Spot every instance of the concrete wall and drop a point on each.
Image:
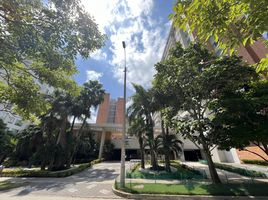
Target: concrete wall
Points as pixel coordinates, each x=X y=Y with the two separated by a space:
x=245 y=155
x=119 y=114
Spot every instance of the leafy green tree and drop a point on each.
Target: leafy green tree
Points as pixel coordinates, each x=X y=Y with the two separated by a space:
x=231 y=23
x=6 y=142
x=137 y=127
x=39 y=43
x=142 y=107
x=196 y=79
x=29 y=141
x=241 y=118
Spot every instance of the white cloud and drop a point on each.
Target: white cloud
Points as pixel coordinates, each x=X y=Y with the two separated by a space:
x=99 y=55
x=93 y=75
x=130 y=21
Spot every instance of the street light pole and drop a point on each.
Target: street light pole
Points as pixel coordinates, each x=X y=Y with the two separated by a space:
x=123 y=148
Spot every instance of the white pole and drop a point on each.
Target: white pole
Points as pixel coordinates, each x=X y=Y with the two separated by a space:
x=123 y=149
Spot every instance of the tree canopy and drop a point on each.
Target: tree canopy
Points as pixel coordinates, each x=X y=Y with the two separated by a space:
x=230 y=23
x=39 y=43
x=196 y=79
x=241 y=118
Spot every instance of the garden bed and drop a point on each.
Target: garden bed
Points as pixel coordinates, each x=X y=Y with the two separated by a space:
x=191 y=188
x=19 y=172
x=181 y=172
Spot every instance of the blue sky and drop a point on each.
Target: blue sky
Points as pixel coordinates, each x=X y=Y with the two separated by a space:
x=143 y=25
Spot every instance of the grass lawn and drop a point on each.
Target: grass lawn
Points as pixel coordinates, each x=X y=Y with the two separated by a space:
x=6 y=185
x=198 y=189
x=182 y=173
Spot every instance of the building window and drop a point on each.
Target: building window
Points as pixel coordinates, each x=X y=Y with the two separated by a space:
x=111 y=112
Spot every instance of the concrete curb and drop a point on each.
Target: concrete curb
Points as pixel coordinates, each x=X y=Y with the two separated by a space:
x=127 y=195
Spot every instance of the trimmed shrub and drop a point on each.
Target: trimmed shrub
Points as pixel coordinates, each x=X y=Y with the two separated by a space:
x=256 y=162
x=241 y=171
x=43 y=173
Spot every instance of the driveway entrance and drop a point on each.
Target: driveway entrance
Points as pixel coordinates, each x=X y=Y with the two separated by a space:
x=95 y=182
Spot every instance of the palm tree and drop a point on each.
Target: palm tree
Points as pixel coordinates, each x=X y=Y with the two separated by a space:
x=167 y=144
x=142 y=107
x=138 y=128
x=91 y=95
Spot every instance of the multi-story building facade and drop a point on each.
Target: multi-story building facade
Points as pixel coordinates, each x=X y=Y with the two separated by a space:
x=108 y=127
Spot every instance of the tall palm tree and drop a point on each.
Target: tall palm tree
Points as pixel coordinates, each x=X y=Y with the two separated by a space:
x=142 y=107
x=138 y=128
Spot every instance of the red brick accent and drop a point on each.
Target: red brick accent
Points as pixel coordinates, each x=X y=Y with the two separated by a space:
x=103 y=110
x=259 y=49
x=245 y=155
x=119 y=115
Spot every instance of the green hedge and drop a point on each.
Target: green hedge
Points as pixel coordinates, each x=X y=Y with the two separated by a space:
x=241 y=171
x=256 y=162
x=43 y=173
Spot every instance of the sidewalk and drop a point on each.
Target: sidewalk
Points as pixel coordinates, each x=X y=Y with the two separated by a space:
x=224 y=175
x=258 y=168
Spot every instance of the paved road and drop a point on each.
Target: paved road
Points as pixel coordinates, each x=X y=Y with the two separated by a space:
x=93 y=183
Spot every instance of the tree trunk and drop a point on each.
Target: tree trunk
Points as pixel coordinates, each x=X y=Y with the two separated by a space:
x=72 y=127
x=153 y=159
x=166 y=154
x=212 y=169
x=82 y=127
x=167 y=162
x=70 y=160
x=43 y=165
x=142 y=152
x=62 y=136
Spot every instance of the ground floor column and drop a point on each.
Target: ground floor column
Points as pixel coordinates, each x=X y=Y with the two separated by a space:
x=101 y=144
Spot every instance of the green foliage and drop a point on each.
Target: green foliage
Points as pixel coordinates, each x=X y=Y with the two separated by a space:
x=230 y=23
x=43 y=173
x=241 y=117
x=142 y=108
x=256 y=162
x=6 y=142
x=108 y=149
x=197 y=79
x=196 y=188
x=29 y=142
x=40 y=46
x=241 y=171
x=169 y=144
x=53 y=143
x=183 y=173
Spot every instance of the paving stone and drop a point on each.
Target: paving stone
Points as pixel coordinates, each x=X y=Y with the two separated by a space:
x=91 y=186
x=105 y=191
x=72 y=190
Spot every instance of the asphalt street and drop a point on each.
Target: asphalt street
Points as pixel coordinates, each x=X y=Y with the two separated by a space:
x=93 y=183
